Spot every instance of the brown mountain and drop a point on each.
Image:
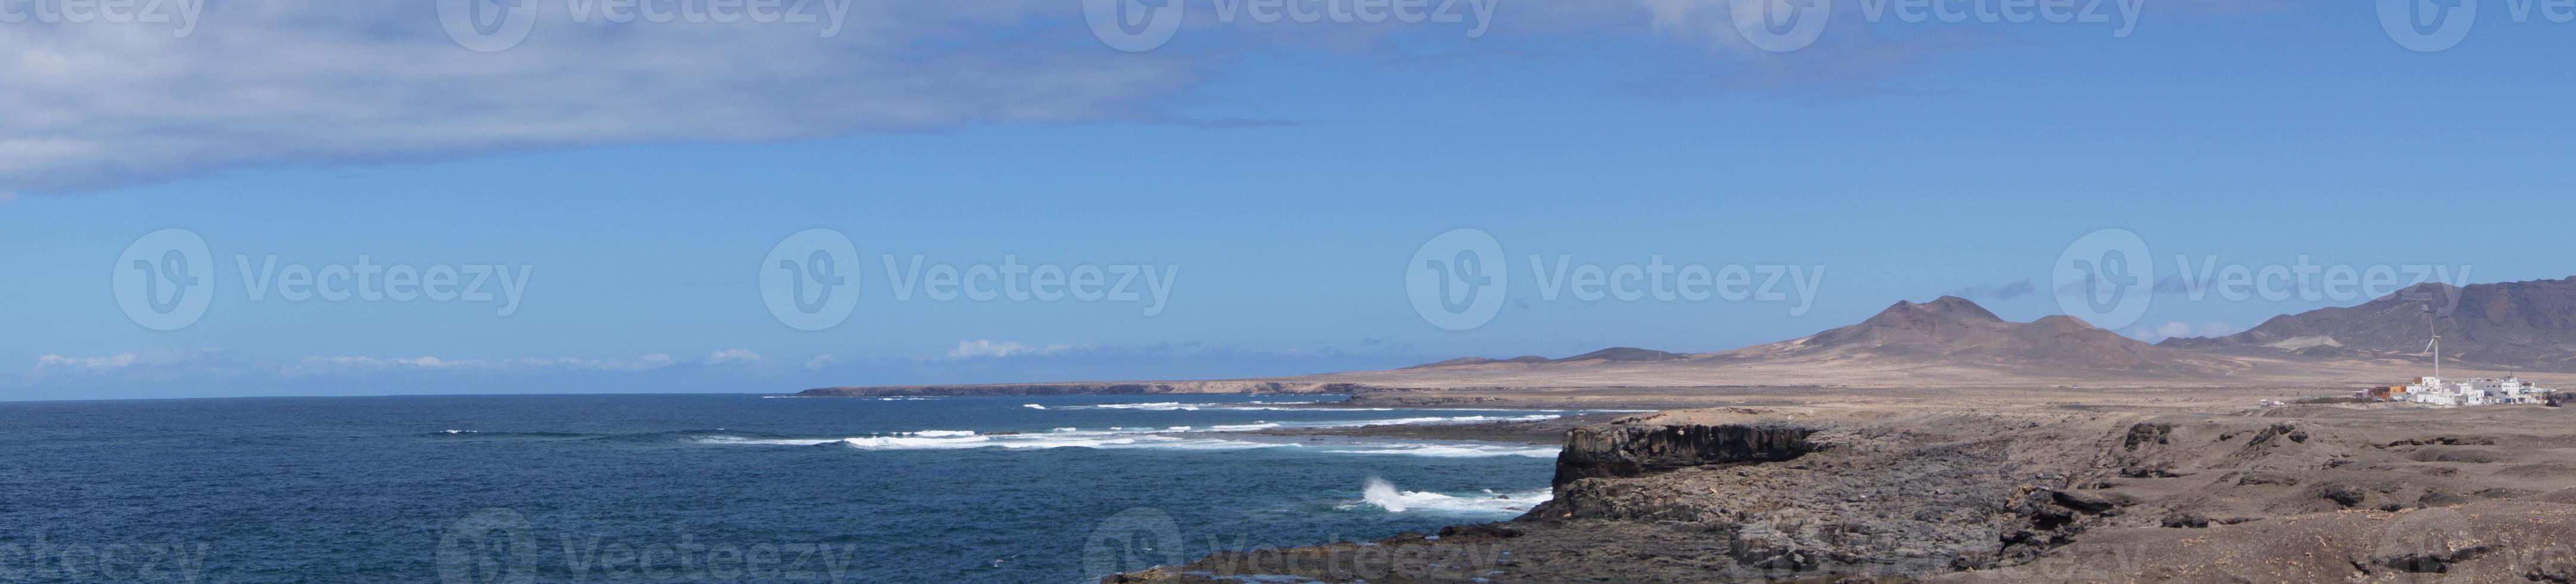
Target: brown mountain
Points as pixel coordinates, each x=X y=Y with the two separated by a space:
x=1955 y=331
x=2521 y=325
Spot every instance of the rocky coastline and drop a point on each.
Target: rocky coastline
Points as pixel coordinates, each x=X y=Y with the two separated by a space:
x=2299 y=493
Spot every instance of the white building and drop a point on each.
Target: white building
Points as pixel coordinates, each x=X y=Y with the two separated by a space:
x=2483 y=391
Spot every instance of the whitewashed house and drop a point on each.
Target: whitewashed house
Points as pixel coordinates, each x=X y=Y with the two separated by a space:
x=2482 y=391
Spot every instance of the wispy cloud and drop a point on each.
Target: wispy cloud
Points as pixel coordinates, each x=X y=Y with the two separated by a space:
x=155 y=364
x=2174 y=329
x=93 y=106
x=1999 y=292
x=98 y=105
x=987 y=349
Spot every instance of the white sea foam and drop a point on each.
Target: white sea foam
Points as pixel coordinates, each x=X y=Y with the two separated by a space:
x=943 y=433
x=1155 y=406
x=1433 y=420
x=914 y=443
x=1058 y=440
x=1384 y=495
x=1454 y=450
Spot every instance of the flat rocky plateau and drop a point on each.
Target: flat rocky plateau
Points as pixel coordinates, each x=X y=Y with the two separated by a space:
x=2002 y=485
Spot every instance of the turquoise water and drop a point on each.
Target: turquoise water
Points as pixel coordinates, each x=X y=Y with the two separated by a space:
x=711 y=487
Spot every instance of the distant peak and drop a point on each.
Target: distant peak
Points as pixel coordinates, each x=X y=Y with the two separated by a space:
x=1624 y=354
x=1947 y=305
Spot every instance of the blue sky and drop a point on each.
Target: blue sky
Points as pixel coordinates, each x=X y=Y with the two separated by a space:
x=641 y=173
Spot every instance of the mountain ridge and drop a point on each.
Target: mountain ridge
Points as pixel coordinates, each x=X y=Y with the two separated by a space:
x=2523 y=325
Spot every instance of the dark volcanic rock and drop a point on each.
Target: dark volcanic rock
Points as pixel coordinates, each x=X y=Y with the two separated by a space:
x=1626 y=450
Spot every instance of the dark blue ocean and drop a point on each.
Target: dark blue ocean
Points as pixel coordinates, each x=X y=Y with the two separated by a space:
x=689 y=488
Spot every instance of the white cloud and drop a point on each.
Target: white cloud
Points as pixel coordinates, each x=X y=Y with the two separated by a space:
x=59 y=364
x=819 y=362
x=328 y=366
x=985 y=349
x=253 y=84
x=166 y=363
x=102 y=105
x=2182 y=329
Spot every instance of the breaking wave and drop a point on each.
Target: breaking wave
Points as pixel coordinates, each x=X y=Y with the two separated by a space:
x=1385 y=496
x=1458 y=450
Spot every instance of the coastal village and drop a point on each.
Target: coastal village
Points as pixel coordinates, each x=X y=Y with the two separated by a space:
x=2434 y=390
x=2477 y=391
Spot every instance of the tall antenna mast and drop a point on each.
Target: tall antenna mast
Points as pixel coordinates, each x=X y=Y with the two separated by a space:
x=2433 y=324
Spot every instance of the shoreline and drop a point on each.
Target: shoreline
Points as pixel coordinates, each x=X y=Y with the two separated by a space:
x=1549 y=432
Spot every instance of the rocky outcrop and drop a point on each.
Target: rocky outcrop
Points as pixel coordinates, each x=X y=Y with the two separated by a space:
x=1105 y=388
x=1630 y=450
x=2296 y=494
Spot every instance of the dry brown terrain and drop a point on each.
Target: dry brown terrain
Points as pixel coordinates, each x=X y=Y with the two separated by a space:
x=2013 y=485
x=1937 y=442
